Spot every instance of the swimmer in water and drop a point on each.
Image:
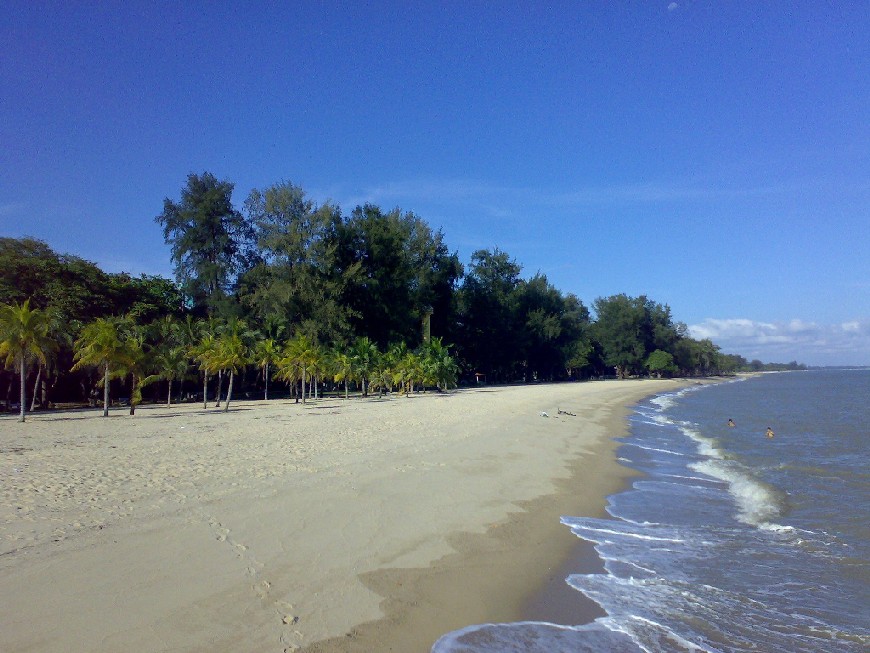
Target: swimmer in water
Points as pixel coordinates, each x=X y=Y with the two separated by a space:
x=730 y=422
x=769 y=432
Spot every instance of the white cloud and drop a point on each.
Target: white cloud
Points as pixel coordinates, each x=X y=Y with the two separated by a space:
x=672 y=6
x=807 y=342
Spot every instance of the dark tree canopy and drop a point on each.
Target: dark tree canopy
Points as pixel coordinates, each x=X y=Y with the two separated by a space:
x=210 y=240
x=369 y=283
x=405 y=271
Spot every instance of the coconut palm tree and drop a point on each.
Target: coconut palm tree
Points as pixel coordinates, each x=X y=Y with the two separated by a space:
x=299 y=356
x=169 y=355
x=204 y=353
x=394 y=364
x=232 y=353
x=59 y=334
x=365 y=356
x=438 y=365
x=319 y=367
x=266 y=353
x=341 y=365
x=100 y=345
x=412 y=367
x=24 y=336
x=135 y=359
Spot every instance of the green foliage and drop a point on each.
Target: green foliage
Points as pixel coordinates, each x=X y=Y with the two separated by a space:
x=360 y=284
x=101 y=345
x=210 y=240
x=24 y=337
x=661 y=363
x=402 y=270
x=629 y=329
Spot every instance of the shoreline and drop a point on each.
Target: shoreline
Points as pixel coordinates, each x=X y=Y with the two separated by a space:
x=280 y=527
x=423 y=604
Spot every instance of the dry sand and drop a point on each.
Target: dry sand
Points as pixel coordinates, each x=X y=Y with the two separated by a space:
x=340 y=525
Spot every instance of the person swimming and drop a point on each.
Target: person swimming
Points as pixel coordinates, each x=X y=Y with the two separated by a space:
x=769 y=432
x=730 y=422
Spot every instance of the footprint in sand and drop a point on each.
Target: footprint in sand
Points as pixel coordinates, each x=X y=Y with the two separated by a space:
x=263 y=588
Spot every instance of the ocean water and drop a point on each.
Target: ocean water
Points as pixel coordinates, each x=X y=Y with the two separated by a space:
x=730 y=541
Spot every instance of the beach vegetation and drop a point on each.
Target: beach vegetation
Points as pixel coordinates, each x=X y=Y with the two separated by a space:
x=660 y=363
x=266 y=354
x=356 y=301
x=298 y=361
x=101 y=345
x=24 y=337
x=231 y=353
x=210 y=240
x=365 y=358
x=169 y=355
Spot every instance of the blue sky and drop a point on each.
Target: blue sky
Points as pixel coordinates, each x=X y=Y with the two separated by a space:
x=713 y=156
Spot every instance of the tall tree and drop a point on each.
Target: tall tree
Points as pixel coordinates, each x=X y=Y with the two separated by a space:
x=210 y=239
x=24 y=336
x=631 y=328
x=405 y=272
x=297 y=277
x=489 y=330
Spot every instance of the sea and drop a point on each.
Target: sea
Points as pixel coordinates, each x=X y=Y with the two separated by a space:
x=729 y=540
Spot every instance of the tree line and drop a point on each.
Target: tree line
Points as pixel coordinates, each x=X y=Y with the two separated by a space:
x=284 y=273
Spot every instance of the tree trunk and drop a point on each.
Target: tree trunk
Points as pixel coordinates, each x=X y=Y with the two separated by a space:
x=220 y=380
x=229 y=392
x=303 y=384
x=204 y=391
x=36 y=388
x=22 y=399
x=169 y=393
x=266 y=393
x=106 y=392
x=133 y=394
x=345 y=388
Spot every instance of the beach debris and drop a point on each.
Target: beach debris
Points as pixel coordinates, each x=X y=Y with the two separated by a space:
x=543 y=414
x=290 y=619
x=565 y=412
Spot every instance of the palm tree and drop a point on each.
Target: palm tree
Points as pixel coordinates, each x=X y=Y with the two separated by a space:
x=412 y=366
x=265 y=354
x=232 y=353
x=59 y=335
x=438 y=365
x=204 y=353
x=169 y=355
x=394 y=363
x=135 y=359
x=365 y=356
x=299 y=356
x=100 y=345
x=24 y=335
x=342 y=367
x=319 y=365
x=170 y=362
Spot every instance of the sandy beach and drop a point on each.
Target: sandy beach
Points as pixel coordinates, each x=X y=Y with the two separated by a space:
x=339 y=525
